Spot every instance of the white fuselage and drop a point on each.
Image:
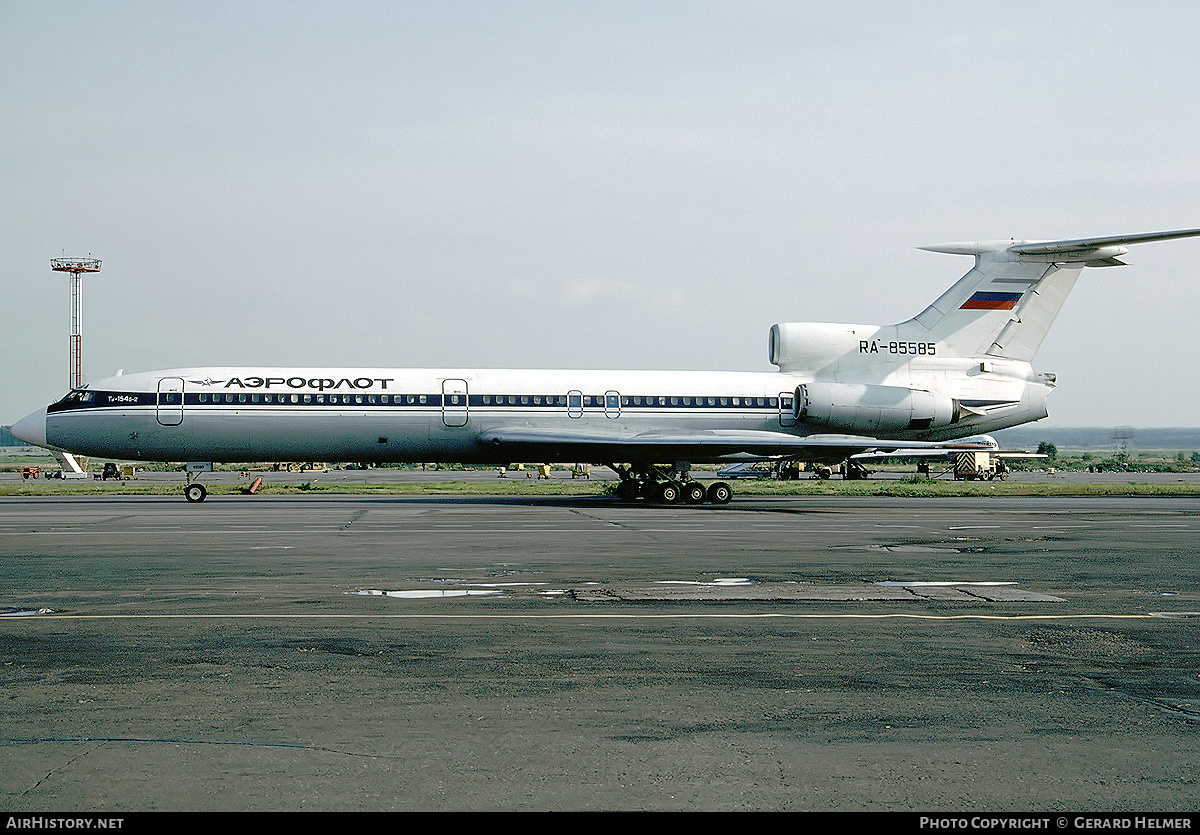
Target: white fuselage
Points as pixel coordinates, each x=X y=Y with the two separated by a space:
x=398 y=415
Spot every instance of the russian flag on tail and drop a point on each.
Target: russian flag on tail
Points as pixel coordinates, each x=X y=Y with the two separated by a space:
x=991 y=301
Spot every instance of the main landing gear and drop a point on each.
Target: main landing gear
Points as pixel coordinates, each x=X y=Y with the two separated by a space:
x=668 y=487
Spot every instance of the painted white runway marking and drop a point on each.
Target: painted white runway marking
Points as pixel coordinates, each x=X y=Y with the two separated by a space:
x=905 y=583
x=417 y=594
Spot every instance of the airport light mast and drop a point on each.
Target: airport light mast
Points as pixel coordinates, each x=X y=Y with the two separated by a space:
x=76 y=267
x=73 y=467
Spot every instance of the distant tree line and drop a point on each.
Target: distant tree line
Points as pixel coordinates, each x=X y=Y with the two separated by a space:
x=1176 y=438
x=1183 y=461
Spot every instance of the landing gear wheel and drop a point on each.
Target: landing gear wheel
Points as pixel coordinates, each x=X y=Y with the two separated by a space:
x=720 y=493
x=195 y=492
x=668 y=492
x=693 y=492
x=628 y=490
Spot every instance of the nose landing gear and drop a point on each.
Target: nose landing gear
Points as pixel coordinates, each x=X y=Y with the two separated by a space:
x=194 y=491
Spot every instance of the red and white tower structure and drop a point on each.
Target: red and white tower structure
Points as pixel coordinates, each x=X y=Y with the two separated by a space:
x=76 y=267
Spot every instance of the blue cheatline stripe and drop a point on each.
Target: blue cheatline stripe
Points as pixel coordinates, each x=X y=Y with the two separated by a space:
x=116 y=399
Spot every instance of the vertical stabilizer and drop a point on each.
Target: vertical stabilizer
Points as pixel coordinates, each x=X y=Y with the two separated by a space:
x=1002 y=308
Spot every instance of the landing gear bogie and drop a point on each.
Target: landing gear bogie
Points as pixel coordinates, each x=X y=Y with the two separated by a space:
x=661 y=488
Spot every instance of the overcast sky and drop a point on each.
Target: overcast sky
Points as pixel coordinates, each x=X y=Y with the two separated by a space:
x=586 y=184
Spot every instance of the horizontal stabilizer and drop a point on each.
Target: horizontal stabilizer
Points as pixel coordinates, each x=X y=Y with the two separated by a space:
x=1083 y=245
x=1091 y=251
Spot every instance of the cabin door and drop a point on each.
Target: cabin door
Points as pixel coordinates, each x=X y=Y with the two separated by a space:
x=454 y=402
x=170 y=401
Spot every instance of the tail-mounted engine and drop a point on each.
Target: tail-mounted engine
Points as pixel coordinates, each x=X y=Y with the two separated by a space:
x=816 y=347
x=858 y=408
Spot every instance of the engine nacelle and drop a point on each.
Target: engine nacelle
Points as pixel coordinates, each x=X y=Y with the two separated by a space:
x=857 y=408
x=815 y=347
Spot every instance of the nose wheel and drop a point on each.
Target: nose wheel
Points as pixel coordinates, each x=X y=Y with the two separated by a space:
x=195 y=492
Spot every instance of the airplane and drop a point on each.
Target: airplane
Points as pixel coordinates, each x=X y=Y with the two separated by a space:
x=961 y=367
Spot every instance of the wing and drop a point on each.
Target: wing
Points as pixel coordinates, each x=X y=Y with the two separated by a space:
x=943 y=452
x=528 y=443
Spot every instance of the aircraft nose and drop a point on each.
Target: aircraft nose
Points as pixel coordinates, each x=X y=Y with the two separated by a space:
x=31 y=429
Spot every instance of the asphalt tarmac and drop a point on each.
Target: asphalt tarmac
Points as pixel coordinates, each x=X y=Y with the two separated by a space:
x=418 y=653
